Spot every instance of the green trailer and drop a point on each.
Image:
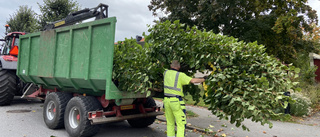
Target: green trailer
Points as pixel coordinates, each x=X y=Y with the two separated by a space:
x=72 y=68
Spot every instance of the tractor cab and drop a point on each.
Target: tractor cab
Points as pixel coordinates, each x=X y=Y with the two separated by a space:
x=9 y=50
x=11 y=44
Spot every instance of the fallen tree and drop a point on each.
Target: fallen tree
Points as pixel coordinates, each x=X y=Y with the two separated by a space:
x=244 y=83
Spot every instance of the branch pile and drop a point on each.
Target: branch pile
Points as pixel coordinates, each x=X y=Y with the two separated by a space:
x=244 y=83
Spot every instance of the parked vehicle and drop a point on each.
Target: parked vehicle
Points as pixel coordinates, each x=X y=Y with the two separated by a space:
x=72 y=67
x=10 y=85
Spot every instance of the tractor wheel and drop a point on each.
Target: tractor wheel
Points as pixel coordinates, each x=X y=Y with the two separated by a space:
x=144 y=122
x=76 y=119
x=8 y=86
x=54 y=108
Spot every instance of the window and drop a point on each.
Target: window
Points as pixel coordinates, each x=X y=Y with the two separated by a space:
x=6 y=49
x=16 y=42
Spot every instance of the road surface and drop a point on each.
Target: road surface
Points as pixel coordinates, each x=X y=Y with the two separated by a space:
x=24 y=119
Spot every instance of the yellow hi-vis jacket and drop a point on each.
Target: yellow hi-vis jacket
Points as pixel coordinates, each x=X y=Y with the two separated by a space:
x=173 y=82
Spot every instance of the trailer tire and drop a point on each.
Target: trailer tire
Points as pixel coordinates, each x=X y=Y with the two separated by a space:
x=54 y=108
x=8 y=86
x=144 y=122
x=76 y=120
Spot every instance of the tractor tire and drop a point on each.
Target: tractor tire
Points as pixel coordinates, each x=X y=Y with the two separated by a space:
x=54 y=108
x=76 y=119
x=8 y=86
x=144 y=122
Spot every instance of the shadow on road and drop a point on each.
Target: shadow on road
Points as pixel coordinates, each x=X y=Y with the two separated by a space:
x=123 y=129
x=22 y=101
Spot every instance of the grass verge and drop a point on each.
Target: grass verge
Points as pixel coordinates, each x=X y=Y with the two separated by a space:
x=191 y=114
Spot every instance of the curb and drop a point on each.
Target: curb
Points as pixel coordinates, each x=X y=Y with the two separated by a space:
x=187 y=127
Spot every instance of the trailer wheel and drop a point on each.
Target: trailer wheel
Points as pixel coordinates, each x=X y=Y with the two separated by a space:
x=76 y=121
x=54 y=108
x=8 y=86
x=144 y=122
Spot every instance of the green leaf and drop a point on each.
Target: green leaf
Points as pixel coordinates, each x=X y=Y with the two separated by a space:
x=296 y=70
x=279 y=97
x=146 y=79
x=298 y=89
x=285 y=104
x=251 y=107
x=270 y=125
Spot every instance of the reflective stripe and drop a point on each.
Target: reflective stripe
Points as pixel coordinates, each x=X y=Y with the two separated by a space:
x=170 y=95
x=173 y=88
x=175 y=82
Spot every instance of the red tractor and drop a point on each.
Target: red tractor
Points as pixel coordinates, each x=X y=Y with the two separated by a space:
x=10 y=85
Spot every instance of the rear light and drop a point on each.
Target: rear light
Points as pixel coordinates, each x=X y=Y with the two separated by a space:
x=14 y=51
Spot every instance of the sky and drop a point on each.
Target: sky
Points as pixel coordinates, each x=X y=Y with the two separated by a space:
x=133 y=16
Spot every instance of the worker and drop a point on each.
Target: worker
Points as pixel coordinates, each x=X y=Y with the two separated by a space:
x=175 y=109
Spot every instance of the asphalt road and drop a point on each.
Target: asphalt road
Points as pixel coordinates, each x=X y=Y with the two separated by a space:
x=24 y=119
x=280 y=129
x=209 y=122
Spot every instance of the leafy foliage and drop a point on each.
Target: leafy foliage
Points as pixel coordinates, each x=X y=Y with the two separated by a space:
x=302 y=106
x=131 y=66
x=313 y=37
x=315 y=34
x=244 y=82
x=279 y=25
x=308 y=72
x=54 y=10
x=312 y=92
x=23 y=20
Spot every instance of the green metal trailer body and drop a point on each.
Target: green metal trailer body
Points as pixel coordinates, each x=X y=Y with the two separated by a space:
x=77 y=58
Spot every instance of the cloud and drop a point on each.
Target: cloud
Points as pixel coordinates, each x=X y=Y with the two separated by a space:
x=315 y=4
x=10 y=7
x=132 y=15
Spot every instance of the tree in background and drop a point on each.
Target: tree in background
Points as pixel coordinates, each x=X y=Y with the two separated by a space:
x=54 y=10
x=23 y=20
x=279 y=25
x=307 y=71
x=314 y=35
